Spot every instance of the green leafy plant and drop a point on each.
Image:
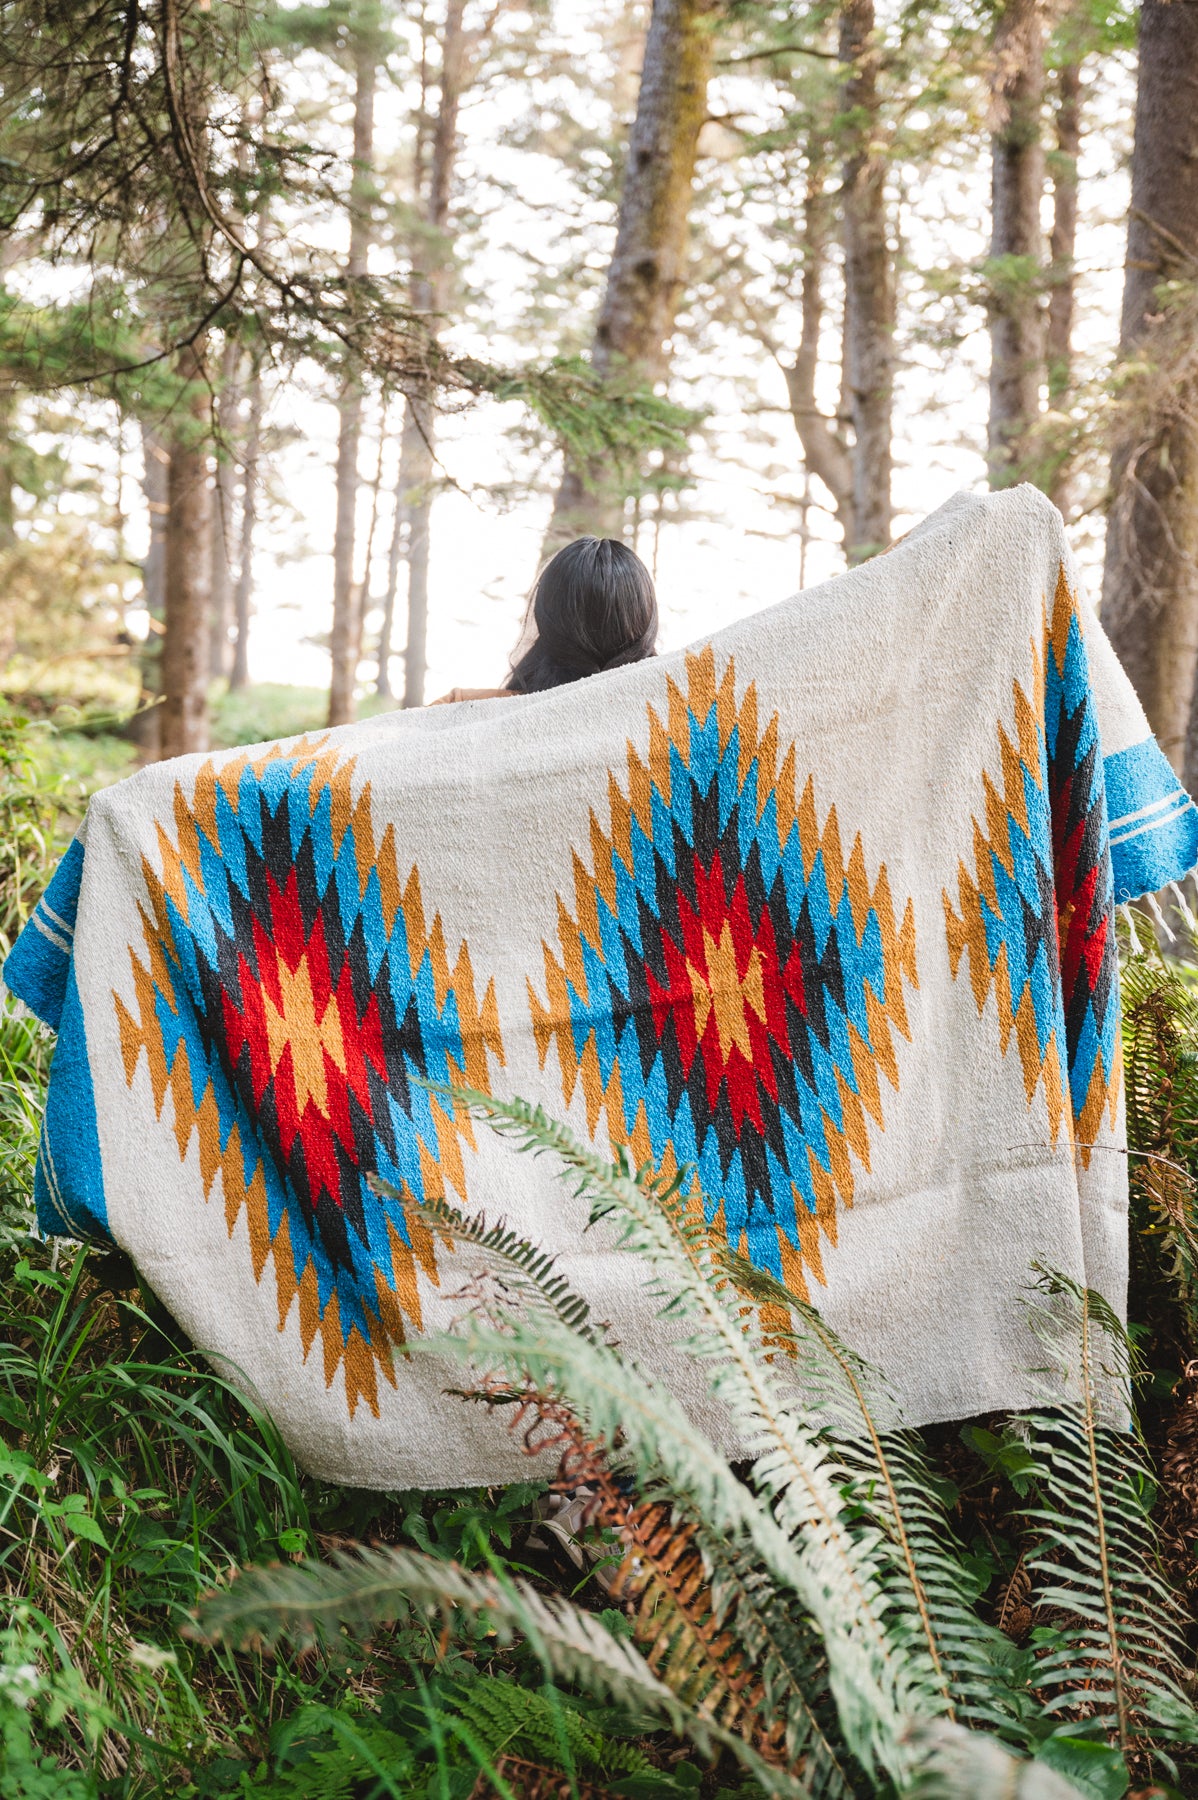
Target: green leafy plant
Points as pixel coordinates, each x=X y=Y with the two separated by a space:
x=1160 y=1043
x=816 y=1623
x=28 y=825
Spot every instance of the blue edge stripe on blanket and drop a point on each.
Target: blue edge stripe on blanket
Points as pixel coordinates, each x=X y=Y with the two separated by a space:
x=1153 y=838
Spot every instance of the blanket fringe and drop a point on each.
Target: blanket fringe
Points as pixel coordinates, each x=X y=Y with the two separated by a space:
x=1159 y=923
x=1129 y=919
x=1154 y=907
x=1177 y=889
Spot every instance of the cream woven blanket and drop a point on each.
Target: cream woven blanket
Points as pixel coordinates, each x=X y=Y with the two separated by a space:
x=824 y=907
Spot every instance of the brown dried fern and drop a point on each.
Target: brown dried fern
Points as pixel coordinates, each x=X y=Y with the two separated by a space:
x=662 y=1581
x=533 y=1781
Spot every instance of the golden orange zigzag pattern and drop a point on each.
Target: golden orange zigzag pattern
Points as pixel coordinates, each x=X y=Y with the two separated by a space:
x=397 y=1295
x=966 y=930
x=552 y=1022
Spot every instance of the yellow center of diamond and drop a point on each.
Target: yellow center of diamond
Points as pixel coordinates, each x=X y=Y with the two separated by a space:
x=311 y=1031
x=721 y=988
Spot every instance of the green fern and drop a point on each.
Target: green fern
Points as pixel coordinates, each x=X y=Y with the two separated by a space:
x=893 y=1488
x=830 y=1577
x=877 y=1680
x=308 y=1601
x=1160 y=1050
x=506 y=1719
x=744 y=1597
x=717 y=1630
x=1122 y=1656
x=529 y=1271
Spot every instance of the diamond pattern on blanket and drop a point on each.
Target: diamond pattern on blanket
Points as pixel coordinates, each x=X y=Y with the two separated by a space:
x=1036 y=916
x=287 y=991
x=727 y=986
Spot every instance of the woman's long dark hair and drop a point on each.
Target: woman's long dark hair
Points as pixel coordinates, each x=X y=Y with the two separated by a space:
x=593 y=608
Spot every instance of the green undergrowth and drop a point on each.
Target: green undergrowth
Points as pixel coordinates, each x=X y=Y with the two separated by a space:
x=133 y=1481
x=255 y=715
x=56 y=750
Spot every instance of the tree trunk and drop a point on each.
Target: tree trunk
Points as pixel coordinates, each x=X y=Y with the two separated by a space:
x=1016 y=250
x=869 y=283
x=8 y=486
x=644 y=281
x=416 y=462
x=1061 y=250
x=382 y=685
x=826 y=453
x=184 y=707
x=346 y=633
x=1150 y=580
x=225 y=408
x=363 y=591
x=243 y=593
x=155 y=486
x=429 y=293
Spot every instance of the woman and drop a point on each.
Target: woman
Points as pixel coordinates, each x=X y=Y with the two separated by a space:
x=593 y=608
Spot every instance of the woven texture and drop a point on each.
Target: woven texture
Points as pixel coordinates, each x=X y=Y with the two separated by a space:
x=822 y=909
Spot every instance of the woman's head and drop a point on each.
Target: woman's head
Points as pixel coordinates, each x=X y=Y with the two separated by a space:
x=593 y=608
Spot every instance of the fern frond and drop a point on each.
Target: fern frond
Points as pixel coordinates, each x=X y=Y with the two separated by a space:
x=955 y=1764
x=719 y=1633
x=1123 y=1656
x=707 y=1616
x=878 y=1676
x=892 y=1486
x=526 y=1269
x=1160 y=1032
x=305 y=1601
x=510 y=1720
x=710 y=1624
x=616 y=1402
x=530 y=1275
x=787 y=1653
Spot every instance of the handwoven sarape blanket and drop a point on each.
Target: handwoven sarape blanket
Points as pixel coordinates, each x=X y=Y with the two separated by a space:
x=824 y=907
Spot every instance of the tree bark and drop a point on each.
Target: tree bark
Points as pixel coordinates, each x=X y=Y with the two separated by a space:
x=220 y=606
x=1062 y=246
x=1016 y=249
x=416 y=464
x=429 y=293
x=8 y=486
x=184 y=709
x=826 y=453
x=243 y=593
x=345 y=638
x=645 y=278
x=146 y=725
x=1150 y=579
x=869 y=311
x=382 y=684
